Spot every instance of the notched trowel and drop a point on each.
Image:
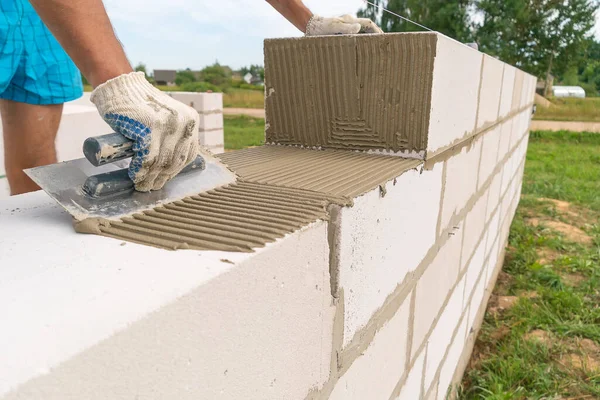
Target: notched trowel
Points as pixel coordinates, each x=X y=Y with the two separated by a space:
x=98 y=185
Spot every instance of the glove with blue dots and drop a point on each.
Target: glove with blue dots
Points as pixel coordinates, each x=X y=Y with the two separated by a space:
x=164 y=130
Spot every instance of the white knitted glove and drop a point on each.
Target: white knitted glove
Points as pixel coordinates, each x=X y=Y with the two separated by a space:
x=164 y=130
x=344 y=25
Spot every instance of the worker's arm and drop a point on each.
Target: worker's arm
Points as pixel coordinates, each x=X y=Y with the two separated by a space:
x=164 y=131
x=303 y=19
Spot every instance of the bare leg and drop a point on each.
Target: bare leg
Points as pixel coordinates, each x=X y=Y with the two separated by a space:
x=29 y=134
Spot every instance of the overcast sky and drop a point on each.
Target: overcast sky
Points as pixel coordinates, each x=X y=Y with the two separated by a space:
x=178 y=34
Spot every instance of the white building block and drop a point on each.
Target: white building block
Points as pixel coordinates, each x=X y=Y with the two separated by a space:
x=494 y=195
x=477 y=297
x=434 y=287
x=527 y=94
x=211 y=121
x=493 y=229
x=451 y=362
x=412 y=387
x=489 y=94
x=441 y=336
x=456 y=75
x=382 y=239
x=474 y=225
x=201 y=102
x=489 y=155
x=505 y=133
x=461 y=181
x=78 y=122
x=518 y=90
x=474 y=269
x=4 y=187
x=388 y=353
x=508 y=84
x=493 y=255
x=211 y=139
x=94 y=319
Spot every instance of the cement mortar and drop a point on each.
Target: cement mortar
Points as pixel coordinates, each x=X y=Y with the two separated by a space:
x=363 y=92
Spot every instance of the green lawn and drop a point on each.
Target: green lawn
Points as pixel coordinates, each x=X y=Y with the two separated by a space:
x=242 y=131
x=545 y=342
x=571 y=109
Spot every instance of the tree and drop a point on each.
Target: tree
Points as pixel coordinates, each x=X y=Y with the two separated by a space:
x=543 y=37
x=141 y=67
x=450 y=17
x=185 y=76
x=255 y=70
x=216 y=74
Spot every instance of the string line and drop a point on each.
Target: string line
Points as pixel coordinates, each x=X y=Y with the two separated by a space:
x=397 y=15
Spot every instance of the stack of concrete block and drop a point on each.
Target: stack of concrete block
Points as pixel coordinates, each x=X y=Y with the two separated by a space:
x=381 y=299
x=210 y=108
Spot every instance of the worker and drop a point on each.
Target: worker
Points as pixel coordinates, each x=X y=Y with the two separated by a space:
x=44 y=44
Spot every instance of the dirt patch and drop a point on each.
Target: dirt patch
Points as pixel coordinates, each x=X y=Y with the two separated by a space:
x=562 y=206
x=500 y=333
x=570 y=232
x=503 y=283
x=531 y=294
x=499 y=304
x=573 y=279
x=582 y=362
x=540 y=336
x=547 y=256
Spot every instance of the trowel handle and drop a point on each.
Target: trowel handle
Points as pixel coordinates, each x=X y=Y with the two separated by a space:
x=107 y=149
x=118 y=181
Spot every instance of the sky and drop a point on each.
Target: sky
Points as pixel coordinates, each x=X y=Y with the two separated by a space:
x=179 y=34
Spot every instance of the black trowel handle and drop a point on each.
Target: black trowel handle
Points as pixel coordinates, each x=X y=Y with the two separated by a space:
x=106 y=149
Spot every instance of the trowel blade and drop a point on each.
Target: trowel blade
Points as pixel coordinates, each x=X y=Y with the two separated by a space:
x=63 y=182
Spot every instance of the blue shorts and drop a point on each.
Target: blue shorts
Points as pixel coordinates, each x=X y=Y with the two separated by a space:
x=34 y=68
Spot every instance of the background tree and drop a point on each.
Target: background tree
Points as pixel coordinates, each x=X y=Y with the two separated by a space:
x=185 y=76
x=543 y=37
x=450 y=17
x=255 y=70
x=216 y=74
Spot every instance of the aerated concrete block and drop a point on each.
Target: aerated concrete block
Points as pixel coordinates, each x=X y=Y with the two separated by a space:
x=441 y=337
x=211 y=139
x=456 y=79
x=412 y=388
x=505 y=133
x=474 y=225
x=451 y=361
x=477 y=298
x=461 y=181
x=494 y=195
x=508 y=84
x=490 y=91
x=387 y=351
x=518 y=90
x=204 y=103
x=435 y=285
x=382 y=239
x=263 y=327
x=474 y=269
x=210 y=122
x=489 y=155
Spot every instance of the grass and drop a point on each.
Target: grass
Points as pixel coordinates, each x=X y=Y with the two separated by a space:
x=243 y=98
x=571 y=109
x=547 y=346
x=242 y=131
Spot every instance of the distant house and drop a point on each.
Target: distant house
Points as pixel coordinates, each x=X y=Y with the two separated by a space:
x=165 y=77
x=568 y=91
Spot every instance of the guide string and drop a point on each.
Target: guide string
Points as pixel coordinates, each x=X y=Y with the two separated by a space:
x=398 y=15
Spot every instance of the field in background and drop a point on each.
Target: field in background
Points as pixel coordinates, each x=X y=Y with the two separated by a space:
x=571 y=109
x=234 y=98
x=242 y=131
x=541 y=334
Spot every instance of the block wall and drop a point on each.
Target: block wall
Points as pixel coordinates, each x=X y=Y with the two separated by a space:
x=382 y=299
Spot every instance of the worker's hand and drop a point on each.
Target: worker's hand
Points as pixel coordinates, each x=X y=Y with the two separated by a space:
x=344 y=25
x=164 y=131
